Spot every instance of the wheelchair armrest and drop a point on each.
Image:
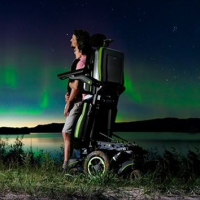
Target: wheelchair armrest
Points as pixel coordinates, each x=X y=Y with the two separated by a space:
x=79 y=75
x=65 y=75
x=88 y=80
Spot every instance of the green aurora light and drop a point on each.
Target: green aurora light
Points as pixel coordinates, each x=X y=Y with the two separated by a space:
x=10 y=76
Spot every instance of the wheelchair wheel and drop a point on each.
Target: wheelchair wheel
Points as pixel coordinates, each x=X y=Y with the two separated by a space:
x=135 y=174
x=129 y=171
x=96 y=163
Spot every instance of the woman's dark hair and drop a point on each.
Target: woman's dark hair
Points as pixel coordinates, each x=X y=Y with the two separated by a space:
x=97 y=40
x=85 y=49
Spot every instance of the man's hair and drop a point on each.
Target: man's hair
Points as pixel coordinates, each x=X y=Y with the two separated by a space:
x=82 y=36
x=83 y=40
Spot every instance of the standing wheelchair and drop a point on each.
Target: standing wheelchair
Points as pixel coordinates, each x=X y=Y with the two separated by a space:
x=99 y=148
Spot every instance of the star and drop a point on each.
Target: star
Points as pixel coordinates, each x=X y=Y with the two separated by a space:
x=175 y=28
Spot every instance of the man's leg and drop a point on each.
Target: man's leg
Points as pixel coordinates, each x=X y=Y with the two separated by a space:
x=67 y=129
x=67 y=146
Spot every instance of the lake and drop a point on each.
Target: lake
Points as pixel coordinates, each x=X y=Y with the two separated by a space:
x=52 y=142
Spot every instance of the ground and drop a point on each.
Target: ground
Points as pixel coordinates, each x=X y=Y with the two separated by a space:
x=122 y=194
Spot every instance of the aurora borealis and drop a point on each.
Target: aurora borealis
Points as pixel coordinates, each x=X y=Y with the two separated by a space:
x=160 y=40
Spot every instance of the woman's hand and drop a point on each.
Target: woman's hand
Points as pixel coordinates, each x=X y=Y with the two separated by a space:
x=66 y=97
x=67 y=109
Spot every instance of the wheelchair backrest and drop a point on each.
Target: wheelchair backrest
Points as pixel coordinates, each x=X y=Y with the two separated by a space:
x=109 y=66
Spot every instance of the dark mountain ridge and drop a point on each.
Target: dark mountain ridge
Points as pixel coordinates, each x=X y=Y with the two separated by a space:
x=160 y=125
x=191 y=125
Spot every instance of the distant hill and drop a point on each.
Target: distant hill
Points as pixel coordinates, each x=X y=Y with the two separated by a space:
x=191 y=125
x=54 y=127
x=10 y=131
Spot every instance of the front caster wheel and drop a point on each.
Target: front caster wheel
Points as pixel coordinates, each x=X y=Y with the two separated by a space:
x=135 y=174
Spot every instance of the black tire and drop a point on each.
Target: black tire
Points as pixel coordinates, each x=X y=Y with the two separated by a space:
x=135 y=174
x=129 y=171
x=96 y=162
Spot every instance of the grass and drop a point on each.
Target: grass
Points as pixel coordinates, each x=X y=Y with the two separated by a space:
x=41 y=175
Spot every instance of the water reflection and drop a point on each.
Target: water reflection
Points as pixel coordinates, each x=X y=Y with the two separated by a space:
x=52 y=142
x=48 y=142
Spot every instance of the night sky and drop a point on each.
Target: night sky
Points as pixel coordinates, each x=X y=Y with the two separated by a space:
x=160 y=40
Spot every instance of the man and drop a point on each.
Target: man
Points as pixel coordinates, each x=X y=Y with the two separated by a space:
x=80 y=43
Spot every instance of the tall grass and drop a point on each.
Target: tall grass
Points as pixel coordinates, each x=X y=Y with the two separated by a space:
x=41 y=175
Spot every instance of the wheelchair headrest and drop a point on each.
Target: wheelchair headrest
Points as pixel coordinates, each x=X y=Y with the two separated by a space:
x=107 y=42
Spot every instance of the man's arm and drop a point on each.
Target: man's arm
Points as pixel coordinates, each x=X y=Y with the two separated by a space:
x=73 y=94
x=74 y=84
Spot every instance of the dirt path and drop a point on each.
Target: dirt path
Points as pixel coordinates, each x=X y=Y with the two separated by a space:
x=136 y=194
x=133 y=194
